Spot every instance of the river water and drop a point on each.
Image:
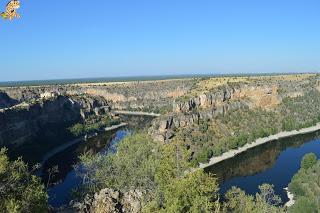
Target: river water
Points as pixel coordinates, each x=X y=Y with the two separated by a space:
x=274 y=163
x=66 y=179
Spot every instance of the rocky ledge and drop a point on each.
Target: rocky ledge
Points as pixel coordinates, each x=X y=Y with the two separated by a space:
x=107 y=201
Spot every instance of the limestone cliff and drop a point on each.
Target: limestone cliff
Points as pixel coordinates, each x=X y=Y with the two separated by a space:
x=219 y=101
x=23 y=122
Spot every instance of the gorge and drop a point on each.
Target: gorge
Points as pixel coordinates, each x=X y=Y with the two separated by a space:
x=196 y=119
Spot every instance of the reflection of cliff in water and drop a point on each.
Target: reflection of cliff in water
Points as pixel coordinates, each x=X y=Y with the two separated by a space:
x=257 y=159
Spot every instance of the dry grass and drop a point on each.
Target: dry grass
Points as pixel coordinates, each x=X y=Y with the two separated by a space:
x=207 y=85
x=290 y=77
x=126 y=83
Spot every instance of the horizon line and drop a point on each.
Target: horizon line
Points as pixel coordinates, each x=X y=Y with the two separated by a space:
x=138 y=78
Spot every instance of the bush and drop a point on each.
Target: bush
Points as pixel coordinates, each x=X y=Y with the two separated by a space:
x=305 y=185
x=19 y=190
x=305 y=205
x=203 y=156
x=77 y=129
x=308 y=160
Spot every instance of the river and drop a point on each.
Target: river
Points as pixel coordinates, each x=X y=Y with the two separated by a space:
x=274 y=163
x=66 y=179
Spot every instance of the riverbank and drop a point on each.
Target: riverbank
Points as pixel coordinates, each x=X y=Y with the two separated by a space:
x=290 y=196
x=258 y=142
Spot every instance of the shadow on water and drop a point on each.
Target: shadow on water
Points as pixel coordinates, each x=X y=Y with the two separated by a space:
x=274 y=163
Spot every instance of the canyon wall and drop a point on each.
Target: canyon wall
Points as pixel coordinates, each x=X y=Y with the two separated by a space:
x=24 y=122
x=188 y=110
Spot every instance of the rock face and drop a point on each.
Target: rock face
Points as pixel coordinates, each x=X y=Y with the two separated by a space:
x=108 y=201
x=221 y=100
x=191 y=111
x=24 y=122
x=6 y=101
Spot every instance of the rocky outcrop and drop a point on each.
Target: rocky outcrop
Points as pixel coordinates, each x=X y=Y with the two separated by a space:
x=91 y=105
x=108 y=201
x=205 y=100
x=24 y=122
x=207 y=106
x=27 y=93
x=192 y=110
x=164 y=127
x=6 y=101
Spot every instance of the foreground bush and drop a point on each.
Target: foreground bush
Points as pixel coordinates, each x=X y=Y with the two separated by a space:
x=19 y=190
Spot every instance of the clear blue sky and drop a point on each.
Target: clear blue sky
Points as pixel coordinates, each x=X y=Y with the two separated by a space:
x=77 y=38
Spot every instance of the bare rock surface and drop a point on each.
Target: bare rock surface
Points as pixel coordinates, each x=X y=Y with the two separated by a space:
x=108 y=201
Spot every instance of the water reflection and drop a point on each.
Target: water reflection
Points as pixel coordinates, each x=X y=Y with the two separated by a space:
x=273 y=163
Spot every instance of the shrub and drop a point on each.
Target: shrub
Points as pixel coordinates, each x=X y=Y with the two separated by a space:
x=305 y=205
x=77 y=129
x=19 y=190
x=308 y=160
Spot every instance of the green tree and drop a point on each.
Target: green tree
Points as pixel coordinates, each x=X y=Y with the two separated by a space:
x=308 y=160
x=305 y=205
x=132 y=167
x=77 y=130
x=268 y=195
x=19 y=190
x=264 y=202
x=305 y=185
x=194 y=193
